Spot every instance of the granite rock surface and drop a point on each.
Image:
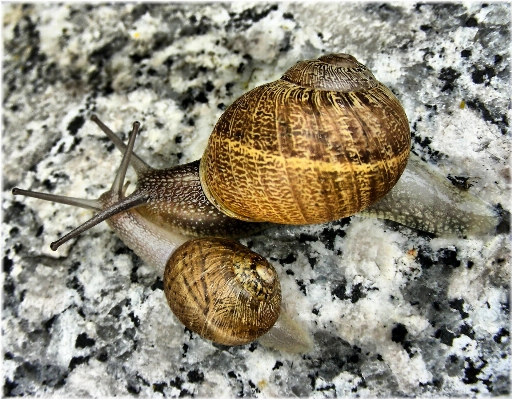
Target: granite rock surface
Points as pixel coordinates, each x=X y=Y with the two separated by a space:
x=392 y=311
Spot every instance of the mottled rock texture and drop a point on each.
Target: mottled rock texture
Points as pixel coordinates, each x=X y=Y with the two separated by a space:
x=393 y=311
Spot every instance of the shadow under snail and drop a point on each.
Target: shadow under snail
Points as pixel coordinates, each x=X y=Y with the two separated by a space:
x=325 y=141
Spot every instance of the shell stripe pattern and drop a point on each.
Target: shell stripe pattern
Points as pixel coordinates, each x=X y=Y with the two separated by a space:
x=205 y=294
x=334 y=153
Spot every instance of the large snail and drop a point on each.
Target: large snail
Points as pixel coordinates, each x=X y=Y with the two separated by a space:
x=325 y=141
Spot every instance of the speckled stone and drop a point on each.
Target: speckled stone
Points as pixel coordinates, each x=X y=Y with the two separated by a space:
x=392 y=311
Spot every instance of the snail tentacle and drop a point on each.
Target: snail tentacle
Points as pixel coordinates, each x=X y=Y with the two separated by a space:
x=117 y=191
x=118 y=183
x=137 y=163
x=94 y=205
x=130 y=202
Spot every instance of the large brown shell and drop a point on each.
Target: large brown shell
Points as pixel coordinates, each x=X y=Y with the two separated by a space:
x=222 y=290
x=324 y=142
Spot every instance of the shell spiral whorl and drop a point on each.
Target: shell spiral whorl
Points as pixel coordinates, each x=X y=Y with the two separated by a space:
x=303 y=153
x=338 y=72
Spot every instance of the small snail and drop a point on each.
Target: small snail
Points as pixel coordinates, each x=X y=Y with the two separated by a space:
x=247 y=296
x=323 y=142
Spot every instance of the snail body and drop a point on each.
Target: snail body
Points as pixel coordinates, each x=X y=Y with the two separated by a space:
x=425 y=200
x=361 y=149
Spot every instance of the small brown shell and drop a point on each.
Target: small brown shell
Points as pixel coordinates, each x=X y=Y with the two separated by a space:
x=323 y=142
x=222 y=290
